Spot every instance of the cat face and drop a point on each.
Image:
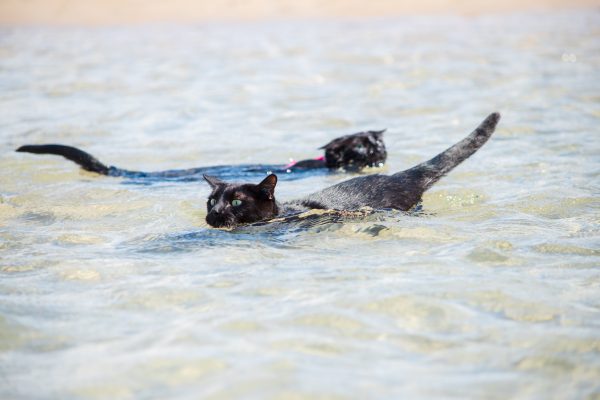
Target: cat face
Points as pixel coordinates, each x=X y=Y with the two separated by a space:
x=354 y=152
x=232 y=204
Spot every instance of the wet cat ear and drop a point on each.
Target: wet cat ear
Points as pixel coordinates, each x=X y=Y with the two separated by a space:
x=212 y=181
x=268 y=185
x=379 y=134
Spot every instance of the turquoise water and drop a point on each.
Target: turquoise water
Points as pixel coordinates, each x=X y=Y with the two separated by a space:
x=113 y=290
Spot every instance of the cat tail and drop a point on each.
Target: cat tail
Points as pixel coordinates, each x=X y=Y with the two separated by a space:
x=85 y=160
x=426 y=174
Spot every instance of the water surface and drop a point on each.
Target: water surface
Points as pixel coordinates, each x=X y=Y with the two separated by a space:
x=114 y=290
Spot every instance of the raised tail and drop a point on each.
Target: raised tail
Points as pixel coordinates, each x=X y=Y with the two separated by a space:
x=85 y=160
x=426 y=174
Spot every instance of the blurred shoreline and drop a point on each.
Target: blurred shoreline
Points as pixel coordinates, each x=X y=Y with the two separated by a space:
x=111 y=12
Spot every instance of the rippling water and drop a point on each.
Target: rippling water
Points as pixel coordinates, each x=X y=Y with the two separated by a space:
x=113 y=290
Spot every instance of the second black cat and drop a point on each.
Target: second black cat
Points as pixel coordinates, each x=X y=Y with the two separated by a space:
x=350 y=153
x=232 y=204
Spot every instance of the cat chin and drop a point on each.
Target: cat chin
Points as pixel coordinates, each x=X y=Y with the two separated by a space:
x=223 y=225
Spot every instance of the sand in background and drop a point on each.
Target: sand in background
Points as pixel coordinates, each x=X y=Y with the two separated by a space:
x=102 y=12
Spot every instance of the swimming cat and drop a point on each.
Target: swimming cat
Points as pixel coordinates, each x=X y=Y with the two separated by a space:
x=232 y=204
x=350 y=152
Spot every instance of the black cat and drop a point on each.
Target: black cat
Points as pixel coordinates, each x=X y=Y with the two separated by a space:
x=232 y=204
x=351 y=153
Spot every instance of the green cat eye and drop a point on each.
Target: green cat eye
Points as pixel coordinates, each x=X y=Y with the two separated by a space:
x=213 y=202
x=236 y=203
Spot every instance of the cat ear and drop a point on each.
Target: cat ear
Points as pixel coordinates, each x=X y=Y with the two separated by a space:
x=212 y=181
x=379 y=134
x=268 y=185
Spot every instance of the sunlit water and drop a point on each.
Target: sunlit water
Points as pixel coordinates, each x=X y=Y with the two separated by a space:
x=115 y=290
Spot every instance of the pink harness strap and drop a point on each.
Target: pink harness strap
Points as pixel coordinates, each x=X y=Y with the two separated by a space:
x=293 y=162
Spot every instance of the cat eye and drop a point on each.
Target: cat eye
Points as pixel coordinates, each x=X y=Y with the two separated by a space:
x=212 y=202
x=236 y=203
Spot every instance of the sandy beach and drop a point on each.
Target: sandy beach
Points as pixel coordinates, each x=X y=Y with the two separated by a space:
x=106 y=12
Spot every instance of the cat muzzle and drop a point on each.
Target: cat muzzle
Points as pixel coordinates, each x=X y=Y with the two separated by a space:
x=218 y=220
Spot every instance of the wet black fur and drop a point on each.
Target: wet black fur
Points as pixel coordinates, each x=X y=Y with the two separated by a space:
x=350 y=152
x=85 y=160
x=257 y=202
x=354 y=152
x=401 y=191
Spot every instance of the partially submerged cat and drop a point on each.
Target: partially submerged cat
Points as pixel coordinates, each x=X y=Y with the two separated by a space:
x=232 y=204
x=350 y=152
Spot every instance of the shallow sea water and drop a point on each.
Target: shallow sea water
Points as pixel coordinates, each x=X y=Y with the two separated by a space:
x=115 y=290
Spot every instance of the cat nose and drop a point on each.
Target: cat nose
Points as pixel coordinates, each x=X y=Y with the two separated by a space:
x=217 y=209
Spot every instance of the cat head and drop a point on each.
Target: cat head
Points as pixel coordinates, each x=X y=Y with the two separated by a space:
x=356 y=151
x=232 y=204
